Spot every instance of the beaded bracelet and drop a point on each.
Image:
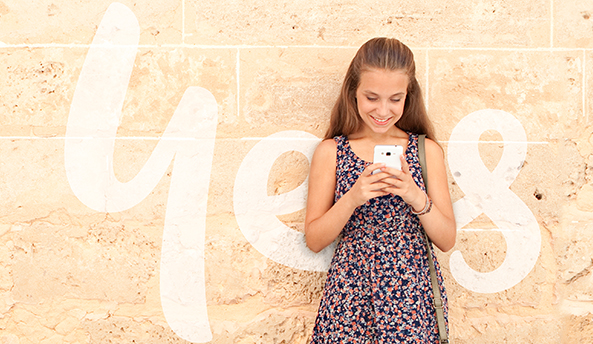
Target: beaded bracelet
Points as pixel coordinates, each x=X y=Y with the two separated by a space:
x=427 y=207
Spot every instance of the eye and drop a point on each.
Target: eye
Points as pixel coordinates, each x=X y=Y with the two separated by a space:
x=396 y=100
x=372 y=99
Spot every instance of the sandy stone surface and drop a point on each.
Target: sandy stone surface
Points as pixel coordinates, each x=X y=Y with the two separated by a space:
x=70 y=273
x=453 y=23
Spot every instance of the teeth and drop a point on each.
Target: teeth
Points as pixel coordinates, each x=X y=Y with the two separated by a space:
x=381 y=120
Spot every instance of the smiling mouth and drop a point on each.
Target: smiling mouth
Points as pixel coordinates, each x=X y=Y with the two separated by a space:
x=380 y=121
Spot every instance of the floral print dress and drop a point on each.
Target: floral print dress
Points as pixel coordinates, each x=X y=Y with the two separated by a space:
x=378 y=286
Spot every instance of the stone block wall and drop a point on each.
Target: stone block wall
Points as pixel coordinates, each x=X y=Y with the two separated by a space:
x=154 y=159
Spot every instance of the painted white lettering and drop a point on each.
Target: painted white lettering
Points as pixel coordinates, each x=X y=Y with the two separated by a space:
x=256 y=212
x=488 y=192
x=188 y=141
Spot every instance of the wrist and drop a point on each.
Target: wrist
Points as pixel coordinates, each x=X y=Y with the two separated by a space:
x=427 y=206
x=419 y=201
x=349 y=200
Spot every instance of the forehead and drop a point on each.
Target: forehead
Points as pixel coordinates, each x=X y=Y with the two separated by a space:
x=375 y=80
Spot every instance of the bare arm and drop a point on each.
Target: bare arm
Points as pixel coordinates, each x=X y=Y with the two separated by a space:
x=439 y=223
x=325 y=219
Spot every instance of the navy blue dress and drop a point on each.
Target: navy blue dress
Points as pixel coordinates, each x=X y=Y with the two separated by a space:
x=378 y=286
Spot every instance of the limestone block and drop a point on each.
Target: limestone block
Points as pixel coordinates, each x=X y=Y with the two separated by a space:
x=329 y=22
x=572 y=23
x=510 y=329
x=34 y=332
x=41 y=83
x=5 y=280
x=233 y=272
x=6 y=303
x=229 y=153
x=9 y=339
x=125 y=330
x=585 y=198
x=77 y=336
x=241 y=282
x=67 y=325
x=61 y=21
x=35 y=189
x=551 y=175
x=290 y=88
x=5 y=277
x=588 y=94
x=150 y=309
x=39 y=191
x=578 y=329
x=548 y=104
x=160 y=78
x=289 y=171
x=51 y=265
x=274 y=326
x=573 y=247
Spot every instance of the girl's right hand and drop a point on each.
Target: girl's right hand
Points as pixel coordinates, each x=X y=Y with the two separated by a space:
x=368 y=185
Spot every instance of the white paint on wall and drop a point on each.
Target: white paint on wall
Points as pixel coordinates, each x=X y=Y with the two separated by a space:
x=488 y=192
x=188 y=141
x=256 y=212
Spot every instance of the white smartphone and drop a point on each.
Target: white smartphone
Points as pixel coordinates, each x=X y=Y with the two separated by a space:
x=389 y=155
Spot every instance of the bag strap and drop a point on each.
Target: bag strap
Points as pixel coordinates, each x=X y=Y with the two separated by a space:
x=422 y=156
x=438 y=299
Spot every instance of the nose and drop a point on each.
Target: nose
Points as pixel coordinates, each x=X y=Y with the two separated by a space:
x=383 y=109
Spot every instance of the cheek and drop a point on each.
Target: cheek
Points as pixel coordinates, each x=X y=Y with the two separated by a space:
x=363 y=106
x=400 y=106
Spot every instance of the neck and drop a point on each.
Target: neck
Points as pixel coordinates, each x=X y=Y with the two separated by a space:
x=379 y=138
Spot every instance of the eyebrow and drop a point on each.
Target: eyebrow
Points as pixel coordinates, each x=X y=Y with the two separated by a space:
x=373 y=93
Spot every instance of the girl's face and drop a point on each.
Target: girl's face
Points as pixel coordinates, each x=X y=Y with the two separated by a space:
x=380 y=98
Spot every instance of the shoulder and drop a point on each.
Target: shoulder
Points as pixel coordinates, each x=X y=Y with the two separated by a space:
x=327 y=147
x=433 y=149
x=323 y=164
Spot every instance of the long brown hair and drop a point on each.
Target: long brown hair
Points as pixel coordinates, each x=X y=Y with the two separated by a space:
x=388 y=54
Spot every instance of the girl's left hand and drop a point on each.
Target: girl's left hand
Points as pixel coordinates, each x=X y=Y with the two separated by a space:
x=402 y=184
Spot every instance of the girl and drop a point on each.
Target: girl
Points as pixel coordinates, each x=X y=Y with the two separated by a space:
x=378 y=287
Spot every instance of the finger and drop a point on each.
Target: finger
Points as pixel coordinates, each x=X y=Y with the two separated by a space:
x=400 y=174
x=391 y=191
x=380 y=193
x=392 y=171
x=372 y=167
x=385 y=179
x=379 y=185
x=394 y=185
x=405 y=166
x=379 y=176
